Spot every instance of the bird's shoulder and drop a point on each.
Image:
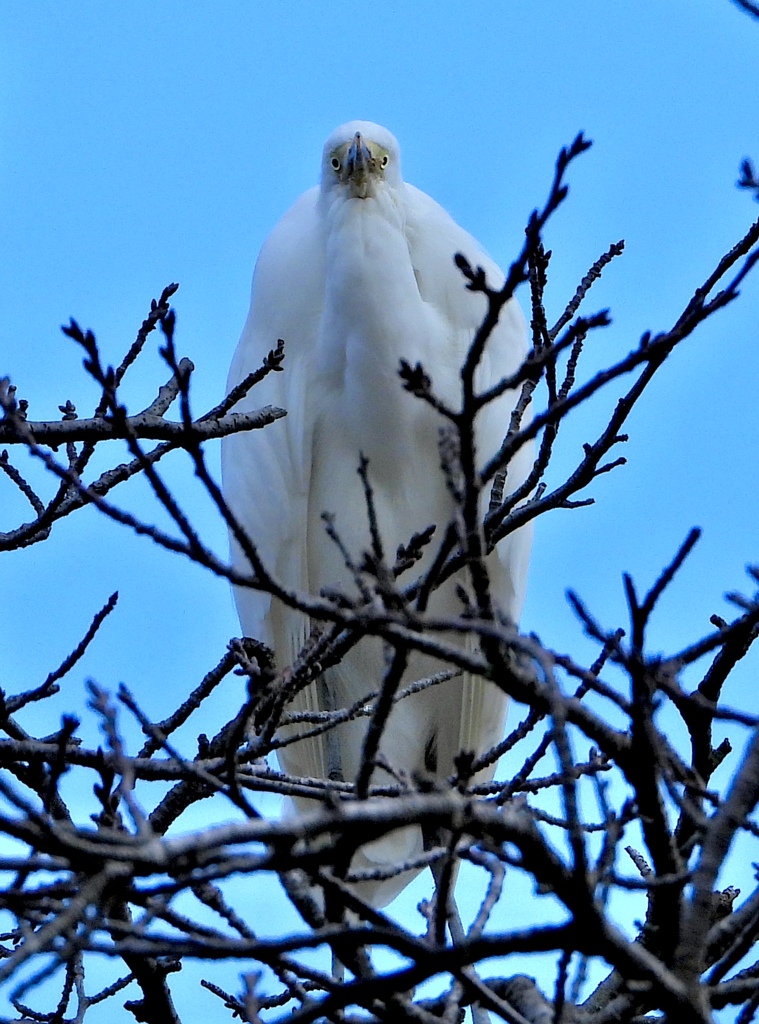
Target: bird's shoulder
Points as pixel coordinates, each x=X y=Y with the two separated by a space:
x=288 y=280
x=434 y=238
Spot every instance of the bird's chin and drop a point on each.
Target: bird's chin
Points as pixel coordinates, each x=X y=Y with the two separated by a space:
x=363 y=187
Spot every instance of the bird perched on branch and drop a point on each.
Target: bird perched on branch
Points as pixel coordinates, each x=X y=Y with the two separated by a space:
x=358 y=275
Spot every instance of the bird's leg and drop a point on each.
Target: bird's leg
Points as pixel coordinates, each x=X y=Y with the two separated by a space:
x=334 y=774
x=445 y=881
x=445 y=874
x=479 y=1014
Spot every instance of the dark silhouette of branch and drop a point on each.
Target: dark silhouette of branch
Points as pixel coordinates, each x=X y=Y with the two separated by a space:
x=749 y=6
x=132 y=886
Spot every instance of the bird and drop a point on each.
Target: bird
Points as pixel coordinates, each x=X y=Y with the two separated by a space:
x=358 y=275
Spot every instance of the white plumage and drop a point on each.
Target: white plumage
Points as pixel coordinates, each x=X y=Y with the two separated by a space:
x=357 y=275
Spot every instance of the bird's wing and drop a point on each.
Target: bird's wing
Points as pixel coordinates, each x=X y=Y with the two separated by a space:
x=434 y=237
x=267 y=472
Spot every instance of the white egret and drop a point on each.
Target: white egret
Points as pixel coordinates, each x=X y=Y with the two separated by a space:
x=357 y=275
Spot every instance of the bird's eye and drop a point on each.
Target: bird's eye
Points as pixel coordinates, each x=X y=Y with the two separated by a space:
x=335 y=164
x=384 y=160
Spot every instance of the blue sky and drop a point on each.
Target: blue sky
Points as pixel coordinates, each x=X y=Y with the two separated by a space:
x=156 y=142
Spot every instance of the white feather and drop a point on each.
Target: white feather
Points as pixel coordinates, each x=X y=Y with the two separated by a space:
x=353 y=284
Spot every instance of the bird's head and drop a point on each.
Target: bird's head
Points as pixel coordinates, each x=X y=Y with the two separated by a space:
x=358 y=157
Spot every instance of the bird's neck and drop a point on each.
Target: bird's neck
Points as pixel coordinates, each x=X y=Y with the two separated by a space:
x=373 y=312
x=373 y=317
